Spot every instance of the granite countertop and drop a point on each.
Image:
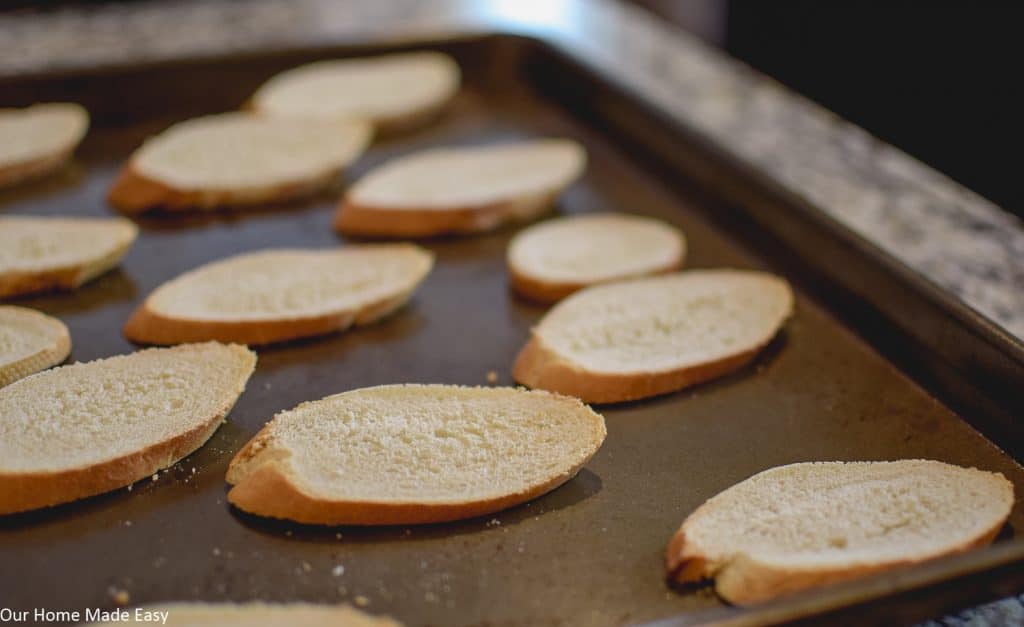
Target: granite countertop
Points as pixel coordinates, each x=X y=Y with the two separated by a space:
x=946 y=233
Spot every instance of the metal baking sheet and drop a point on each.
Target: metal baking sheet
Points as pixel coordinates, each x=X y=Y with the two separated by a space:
x=591 y=551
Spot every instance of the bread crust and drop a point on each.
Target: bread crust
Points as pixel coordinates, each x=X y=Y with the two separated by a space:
x=37 y=168
x=353 y=219
x=134 y=193
x=27 y=491
x=537 y=366
x=47 y=356
x=146 y=326
x=547 y=292
x=270 y=490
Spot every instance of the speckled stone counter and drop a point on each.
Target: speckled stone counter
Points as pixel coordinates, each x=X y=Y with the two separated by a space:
x=948 y=234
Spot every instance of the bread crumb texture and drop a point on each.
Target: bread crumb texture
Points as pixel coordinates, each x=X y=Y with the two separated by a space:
x=29 y=342
x=272 y=284
x=380 y=89
x=85 y=414
x=40 y=131
x=666 y=322
x=39 y=244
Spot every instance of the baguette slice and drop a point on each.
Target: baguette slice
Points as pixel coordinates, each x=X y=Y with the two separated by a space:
x=42 y=254
x=37 y=140
x=805 y=525
x=394 y=92
x=553 y=259
x=88 y=428
x=634 y=339
x=278 y=295
x=257 y=614
x=236 y=160
x=409 y=454
x=460 y=190
x=30 y=341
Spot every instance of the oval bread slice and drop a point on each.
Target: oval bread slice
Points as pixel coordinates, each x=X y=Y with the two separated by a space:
x=550 y=260
x=805 y=525
x=88 y=428
x=460 y=190
x=278 y=295
x=634 y=339
x=257 y=614
x=37 y=140
x=30 y=341
x=236 y=160
x=40 y=254
x=394 y=92
x=408 y=454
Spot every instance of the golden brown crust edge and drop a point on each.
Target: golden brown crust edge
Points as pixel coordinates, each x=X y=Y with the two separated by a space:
x=133 y=193
x=743 y=581
x=148 y=327
x=39 y=361
x=536 y=366
x=28 y=491
x=352 y=219
x=548 y=292
x=63 y=278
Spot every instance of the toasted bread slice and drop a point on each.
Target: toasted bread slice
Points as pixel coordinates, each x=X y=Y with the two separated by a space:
x=30 y=341
x=256 y=614
x=278 y=295
x=88 y=428
x=460 y=190
x=408 y=454
x=644 y=337
x=550 y=260
x=236 y=160
x=37 y=140
x=43 y=254
x=394 y=92
x=805 y=525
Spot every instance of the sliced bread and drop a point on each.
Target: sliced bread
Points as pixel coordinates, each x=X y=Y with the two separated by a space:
x=42 y=254
x=278 y=295
x=30 y=341
x=633 y=339
x=805 y=525
x=394 y=92
x=88 y=428
x=254 y=614
x=550 y=260
x=37 y=140
x=408 y=454
x=460 y=190
x=236 y=160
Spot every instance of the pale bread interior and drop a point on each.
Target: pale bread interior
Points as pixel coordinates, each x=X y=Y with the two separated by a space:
x=238 y=151
x=38 y=244
x=258 y=614
x=292 y=283
x=40 y=131
x=470 y=176
x=27 y=333
x=376 y=88
x=88 y=413
x=666 y=322
x=427 y=444
x=593 y=248
x=826 y=515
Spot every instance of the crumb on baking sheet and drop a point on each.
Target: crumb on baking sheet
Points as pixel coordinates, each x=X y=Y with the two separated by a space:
x=338 y=570
x=361 y=600
x=492 y=376
x=119 y=596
